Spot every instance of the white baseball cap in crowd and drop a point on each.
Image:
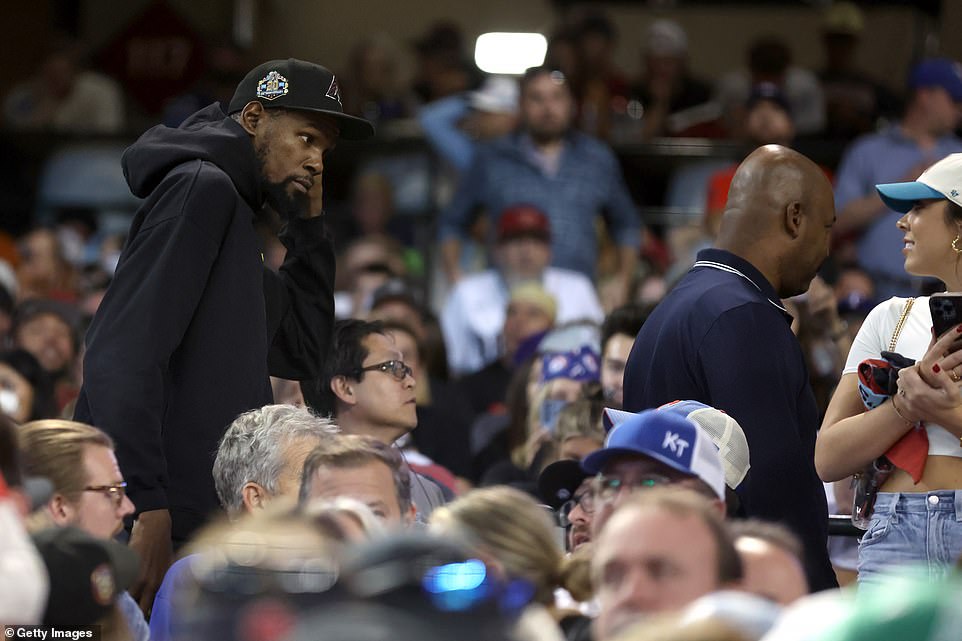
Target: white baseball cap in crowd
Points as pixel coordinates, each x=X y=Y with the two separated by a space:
x=498 y=94
x=941 y=180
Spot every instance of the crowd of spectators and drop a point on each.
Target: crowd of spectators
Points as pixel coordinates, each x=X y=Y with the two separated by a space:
x=464 y=464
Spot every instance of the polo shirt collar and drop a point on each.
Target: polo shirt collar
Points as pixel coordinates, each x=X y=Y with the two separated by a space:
x=736 y=265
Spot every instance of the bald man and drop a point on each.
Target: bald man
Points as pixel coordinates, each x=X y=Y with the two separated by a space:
x=723 y=337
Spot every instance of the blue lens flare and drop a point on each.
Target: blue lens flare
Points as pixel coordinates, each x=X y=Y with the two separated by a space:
x=455 y=577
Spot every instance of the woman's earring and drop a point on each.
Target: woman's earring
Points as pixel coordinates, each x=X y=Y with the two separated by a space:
x=955 y=244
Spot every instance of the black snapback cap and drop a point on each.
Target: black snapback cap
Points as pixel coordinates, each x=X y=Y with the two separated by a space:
x=296 y=84
x=559 y=481
x=87 y=575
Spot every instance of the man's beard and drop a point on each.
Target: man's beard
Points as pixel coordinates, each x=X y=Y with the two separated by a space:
x=278 y=195
x=544 y=135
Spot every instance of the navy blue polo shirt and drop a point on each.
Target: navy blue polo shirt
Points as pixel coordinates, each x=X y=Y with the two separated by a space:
x=722 y=337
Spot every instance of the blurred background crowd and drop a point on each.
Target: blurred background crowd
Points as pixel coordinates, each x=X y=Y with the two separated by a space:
x=513 y=298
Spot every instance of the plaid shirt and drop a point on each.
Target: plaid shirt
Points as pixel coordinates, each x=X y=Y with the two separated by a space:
x=588 y=183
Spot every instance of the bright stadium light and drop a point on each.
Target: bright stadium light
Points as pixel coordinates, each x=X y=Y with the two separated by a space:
x=509 y=53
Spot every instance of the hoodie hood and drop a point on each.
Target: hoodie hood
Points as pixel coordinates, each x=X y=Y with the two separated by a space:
x=207 y=135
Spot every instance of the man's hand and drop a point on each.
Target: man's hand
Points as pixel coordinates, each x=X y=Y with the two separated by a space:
x=315 y=198
x=150 y=538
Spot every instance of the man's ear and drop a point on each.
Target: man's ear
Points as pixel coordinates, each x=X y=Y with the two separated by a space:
x=793 y=218
x=252 y=116
x=411 y=516
x=61 y=511
x=254 y=496
x=343 y=389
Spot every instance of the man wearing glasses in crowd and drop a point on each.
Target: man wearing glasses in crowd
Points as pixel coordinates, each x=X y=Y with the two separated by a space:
x=657 y=556
x=369 y=390
x=89 y=492
x=650 y=449
x=646 y=450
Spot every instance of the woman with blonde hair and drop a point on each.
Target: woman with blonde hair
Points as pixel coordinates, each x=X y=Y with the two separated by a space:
x=563 y=378
x=516 y=538
x=917 y=424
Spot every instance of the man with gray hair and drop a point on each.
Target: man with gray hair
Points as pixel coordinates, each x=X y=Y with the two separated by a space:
x=259 y=459
x=261 y=455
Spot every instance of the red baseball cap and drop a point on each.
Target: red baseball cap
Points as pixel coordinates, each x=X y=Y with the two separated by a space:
x=521 y=221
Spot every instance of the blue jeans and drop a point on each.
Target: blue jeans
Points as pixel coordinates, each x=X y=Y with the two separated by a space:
x=923 y=531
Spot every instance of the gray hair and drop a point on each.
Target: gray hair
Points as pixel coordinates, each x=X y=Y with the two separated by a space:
x=252 y=449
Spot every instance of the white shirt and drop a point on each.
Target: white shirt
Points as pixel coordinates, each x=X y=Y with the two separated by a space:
x=474 y=312
x=874 y=337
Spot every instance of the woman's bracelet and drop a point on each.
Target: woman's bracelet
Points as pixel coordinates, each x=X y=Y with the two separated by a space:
x=900 y=414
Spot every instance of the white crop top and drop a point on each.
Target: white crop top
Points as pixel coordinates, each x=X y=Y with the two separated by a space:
x=874 y=337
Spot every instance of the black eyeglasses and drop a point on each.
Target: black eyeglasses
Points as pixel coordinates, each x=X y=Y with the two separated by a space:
x=585 y=499
x=115 y=492
x=398 y=369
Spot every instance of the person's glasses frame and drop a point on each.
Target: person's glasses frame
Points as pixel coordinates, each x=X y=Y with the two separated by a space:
x=584 y=499
x=116 y=492
x=399 y=370
x=606 y=488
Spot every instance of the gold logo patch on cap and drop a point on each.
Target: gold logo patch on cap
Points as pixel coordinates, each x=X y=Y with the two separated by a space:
x=272 y=86
x=102 y=584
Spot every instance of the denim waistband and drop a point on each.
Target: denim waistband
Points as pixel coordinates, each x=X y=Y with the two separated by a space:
x=920 y=502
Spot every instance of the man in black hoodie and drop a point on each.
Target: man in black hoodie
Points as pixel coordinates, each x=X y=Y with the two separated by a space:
x=193 y=324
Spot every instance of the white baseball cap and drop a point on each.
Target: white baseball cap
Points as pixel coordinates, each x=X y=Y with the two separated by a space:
x=941 y=180
x=498 y=94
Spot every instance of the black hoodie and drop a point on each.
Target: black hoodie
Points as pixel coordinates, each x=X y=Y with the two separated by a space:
x=192 y=323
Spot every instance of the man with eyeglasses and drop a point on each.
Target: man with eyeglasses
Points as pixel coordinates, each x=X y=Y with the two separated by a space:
x=569 y=490
x=370 y=391
x=89 y=491
x=652 y=449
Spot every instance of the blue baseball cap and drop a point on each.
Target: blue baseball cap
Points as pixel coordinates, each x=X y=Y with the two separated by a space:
x=938 y=72
x=668 y=438
x=581 y=365
x=941 y=180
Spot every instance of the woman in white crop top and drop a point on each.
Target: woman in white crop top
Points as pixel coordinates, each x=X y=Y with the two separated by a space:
x=913 y=523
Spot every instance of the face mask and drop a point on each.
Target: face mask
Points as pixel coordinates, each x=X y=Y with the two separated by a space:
x=9 y=402
x=549 y=412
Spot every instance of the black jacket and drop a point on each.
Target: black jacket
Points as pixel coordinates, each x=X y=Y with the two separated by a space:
x=193 y=322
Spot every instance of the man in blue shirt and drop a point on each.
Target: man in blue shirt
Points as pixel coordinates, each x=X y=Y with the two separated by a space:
x=922 y=137
x=722 y=337
x=570 y=176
